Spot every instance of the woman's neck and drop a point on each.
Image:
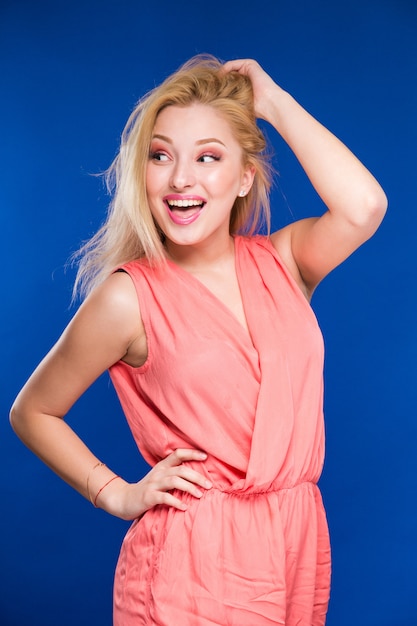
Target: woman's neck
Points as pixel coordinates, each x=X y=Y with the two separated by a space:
x=201 y=256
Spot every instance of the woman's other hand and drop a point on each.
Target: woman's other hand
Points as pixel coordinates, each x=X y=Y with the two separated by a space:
x=131 y=500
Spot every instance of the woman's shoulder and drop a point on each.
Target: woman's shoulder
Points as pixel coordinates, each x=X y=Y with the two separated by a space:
x=134 y=266
x=115 y=306
x=278 y=245
x=271 y=244
x=113 y=303
x=143 y=271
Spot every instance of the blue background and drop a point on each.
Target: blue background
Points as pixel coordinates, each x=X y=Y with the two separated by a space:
x=70 y=74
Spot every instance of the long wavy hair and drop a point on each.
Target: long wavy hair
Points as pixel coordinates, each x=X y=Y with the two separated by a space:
x=129 y=231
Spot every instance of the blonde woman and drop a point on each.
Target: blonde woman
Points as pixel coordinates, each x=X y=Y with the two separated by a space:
x=214 y=351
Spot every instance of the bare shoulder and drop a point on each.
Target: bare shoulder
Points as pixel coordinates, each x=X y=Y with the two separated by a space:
x=114 y=299
x=106 y=328
x=112 y=312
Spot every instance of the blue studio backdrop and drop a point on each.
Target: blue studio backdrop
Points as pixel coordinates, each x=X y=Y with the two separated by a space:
x=70 y=74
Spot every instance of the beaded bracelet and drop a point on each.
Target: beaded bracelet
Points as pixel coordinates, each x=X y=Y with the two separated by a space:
x=103 y=487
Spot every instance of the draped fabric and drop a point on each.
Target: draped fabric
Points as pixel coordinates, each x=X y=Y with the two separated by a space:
x=254 y=550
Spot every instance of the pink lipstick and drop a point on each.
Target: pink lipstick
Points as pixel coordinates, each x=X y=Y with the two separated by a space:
x=184 y=209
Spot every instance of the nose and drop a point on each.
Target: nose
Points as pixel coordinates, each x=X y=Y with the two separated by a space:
x=182 y=175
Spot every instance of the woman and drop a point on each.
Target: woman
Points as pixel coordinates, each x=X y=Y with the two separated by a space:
x=214 y=351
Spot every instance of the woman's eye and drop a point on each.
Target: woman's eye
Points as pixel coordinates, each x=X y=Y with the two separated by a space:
x=159 y=156
x=208 y=158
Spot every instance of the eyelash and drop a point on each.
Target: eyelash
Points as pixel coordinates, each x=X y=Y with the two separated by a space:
x=153 y=156
x=211 y=156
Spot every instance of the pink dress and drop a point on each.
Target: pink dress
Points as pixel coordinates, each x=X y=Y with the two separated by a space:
x=254 y=550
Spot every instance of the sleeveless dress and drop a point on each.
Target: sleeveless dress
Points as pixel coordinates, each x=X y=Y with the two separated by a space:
x=254 y=550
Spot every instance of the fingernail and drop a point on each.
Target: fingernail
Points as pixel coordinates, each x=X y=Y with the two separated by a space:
x=208 y=484
x=202 y=455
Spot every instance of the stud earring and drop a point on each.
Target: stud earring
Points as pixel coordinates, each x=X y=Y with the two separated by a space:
x=242 y=193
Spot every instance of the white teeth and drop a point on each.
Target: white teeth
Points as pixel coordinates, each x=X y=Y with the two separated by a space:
x=184 y=203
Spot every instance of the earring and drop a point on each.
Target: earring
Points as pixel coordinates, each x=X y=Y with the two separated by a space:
x=242 y=193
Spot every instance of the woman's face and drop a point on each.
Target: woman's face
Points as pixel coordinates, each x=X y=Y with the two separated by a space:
x=194 y=174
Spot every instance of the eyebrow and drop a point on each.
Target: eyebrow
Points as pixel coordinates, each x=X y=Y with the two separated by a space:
x=199 y=142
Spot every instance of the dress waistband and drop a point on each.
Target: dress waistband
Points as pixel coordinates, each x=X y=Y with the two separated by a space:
x=247 y=492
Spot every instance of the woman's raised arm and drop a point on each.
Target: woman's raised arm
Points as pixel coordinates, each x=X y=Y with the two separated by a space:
x=355 y=201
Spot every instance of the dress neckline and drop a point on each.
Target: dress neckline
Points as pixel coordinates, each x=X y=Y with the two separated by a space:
x=246 y=331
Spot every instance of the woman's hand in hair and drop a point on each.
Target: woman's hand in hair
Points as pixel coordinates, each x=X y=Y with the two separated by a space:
x=265 y=90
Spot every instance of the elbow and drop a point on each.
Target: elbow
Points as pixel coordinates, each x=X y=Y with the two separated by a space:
x=14 y=418
x=18 y=419
x=377 y=206
x=372 y=211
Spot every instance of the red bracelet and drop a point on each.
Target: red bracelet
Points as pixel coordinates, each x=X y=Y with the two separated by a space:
x=99 y=464
x=103 y=487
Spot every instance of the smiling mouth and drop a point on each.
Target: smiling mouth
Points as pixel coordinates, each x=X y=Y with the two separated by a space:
x=184 y=204
x=184 y=211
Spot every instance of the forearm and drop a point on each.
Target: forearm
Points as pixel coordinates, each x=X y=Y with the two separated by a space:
x=346 y=187
x=51 y=439
x=59 y=447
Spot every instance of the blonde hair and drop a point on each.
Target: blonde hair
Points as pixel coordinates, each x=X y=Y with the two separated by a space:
x=129 y=231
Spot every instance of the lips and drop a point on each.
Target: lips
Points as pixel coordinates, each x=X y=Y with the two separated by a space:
x=184 y=210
